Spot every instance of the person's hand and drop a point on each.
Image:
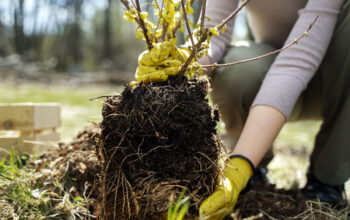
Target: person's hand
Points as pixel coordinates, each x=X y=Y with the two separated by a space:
x=157 y=64
x=233 y=180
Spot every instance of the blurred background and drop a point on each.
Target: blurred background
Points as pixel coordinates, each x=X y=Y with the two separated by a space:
x=67 y=36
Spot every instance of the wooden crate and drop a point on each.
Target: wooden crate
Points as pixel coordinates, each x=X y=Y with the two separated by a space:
x=26 y=127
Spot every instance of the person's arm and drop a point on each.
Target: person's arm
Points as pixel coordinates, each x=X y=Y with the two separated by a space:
x=293 y=68
x=259 y=132
x=287 y=78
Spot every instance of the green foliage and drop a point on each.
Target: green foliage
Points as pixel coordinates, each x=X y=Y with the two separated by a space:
x=178 y=210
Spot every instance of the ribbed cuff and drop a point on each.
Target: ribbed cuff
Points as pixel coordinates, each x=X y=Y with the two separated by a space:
x=280 y=92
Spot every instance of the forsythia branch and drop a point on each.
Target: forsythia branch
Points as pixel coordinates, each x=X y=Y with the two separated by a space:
x=305 y=34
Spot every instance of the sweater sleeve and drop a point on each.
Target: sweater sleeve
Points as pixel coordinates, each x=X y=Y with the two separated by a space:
x=294 y=67
x=218 y=11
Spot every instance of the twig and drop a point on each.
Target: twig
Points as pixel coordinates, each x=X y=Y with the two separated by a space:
x=139 y=20
x=160 y=13
x=204 y=7
x=233 y=14
x=267 y=54
x=126 y=4
x=204 y=37
x=142 y=24
x=165 y=27
x=178 y=24
x=188 y=25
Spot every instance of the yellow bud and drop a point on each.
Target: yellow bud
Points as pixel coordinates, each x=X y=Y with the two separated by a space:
x=214 y=31
x=189 y=10
x=139 y=34
x=208 y=18
x=144 y=15
x=182 y=28
x=129 y=16
x=190 y=23
x=224 y=28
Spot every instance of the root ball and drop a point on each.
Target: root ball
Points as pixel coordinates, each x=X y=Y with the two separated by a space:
x=157 y=140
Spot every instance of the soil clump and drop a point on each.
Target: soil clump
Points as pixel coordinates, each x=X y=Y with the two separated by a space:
x=156 y=141
x=76 y=164
x=267 y=202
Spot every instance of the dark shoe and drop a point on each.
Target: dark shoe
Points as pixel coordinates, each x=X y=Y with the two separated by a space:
x=260 y=176
x=314 y=189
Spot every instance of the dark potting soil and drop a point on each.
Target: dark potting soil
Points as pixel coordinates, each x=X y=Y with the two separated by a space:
x=156 y=141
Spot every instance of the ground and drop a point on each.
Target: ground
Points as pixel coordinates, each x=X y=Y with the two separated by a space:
x=287 y=169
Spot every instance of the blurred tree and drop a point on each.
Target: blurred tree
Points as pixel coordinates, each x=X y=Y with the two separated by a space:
x=107 y=45
x=19 y=38
x=74 y=35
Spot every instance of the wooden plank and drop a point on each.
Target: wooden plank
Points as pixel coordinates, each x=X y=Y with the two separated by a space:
x=47 y=116
x=29 y=144
x=29 y=116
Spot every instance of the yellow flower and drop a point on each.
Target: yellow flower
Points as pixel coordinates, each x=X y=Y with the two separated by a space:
x=214 y=31
x=129 y=16
x=189 y=9
x=139 y=33
x=144 y=15
x=224 y=28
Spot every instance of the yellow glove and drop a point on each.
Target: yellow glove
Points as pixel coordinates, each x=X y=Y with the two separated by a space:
x=157 y=64
x=234 y=179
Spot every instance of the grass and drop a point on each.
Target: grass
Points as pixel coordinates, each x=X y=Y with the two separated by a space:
x=178 y=210
x=77 y=109
x=28 y=194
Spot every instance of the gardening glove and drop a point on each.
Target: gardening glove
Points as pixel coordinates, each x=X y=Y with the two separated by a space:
x=234 y=179
x=157 y=64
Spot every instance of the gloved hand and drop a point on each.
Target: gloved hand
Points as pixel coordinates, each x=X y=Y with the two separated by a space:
x=157 y=64
x=233 y=180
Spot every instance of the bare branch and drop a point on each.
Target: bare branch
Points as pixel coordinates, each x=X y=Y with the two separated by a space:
x=232 y=15
x=158 y=23
x=305 y=34
x=204 y=7
x=139 y=20
x=142 y=25
x=165 y=27
x=188 y=25
x=126 y=4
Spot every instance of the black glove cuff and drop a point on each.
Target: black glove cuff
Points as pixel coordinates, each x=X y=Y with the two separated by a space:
x=250 y=183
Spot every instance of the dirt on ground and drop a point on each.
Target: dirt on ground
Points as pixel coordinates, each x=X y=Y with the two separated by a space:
x=76 y=162
x=265 y=201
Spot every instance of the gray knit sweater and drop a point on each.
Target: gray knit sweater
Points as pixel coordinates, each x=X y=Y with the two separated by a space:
x=279 y=22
